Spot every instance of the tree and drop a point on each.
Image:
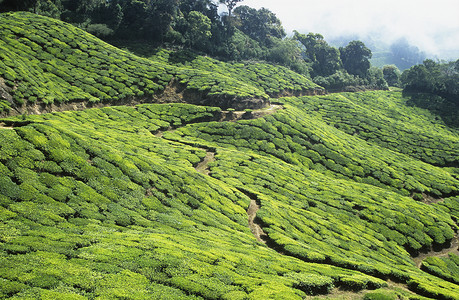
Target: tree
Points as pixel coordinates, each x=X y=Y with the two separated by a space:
x=356 y=58
x=50 y=8
x=261 y=25
x=375 y=79
x=230 y=5
x=309 y=42
x=242 y=47
x=324 y=58
x=416 y=79
x=287 y=53
x=206 y=7
x=392 y=75
x=198 y=29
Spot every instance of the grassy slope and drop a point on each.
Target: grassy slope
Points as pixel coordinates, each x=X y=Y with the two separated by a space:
x=93 y=204
x=47 y=61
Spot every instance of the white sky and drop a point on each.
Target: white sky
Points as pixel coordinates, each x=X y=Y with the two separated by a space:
x=433 y=26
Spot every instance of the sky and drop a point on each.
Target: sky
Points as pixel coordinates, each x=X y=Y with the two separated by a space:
x=432 y=26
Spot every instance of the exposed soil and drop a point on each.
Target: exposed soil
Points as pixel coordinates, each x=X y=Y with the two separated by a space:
x=340 y=294
x=3 y=126
x=430 y=200
x=453 y=248
x=5 y=91
x=174 y=92
x=233 y=116
x=256 y=229
x=203 y=167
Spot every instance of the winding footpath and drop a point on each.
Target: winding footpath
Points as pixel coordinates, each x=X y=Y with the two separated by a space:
x=3 y=126
x=202 y=167
x=255 y=228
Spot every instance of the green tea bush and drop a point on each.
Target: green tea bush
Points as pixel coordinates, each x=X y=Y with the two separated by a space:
x=445 y=267
x=385 y=119
x=308 y=140
x=311 y=284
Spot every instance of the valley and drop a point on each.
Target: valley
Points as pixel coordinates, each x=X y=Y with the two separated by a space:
x=183 y=177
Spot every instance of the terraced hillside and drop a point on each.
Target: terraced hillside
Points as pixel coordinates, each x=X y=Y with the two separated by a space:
x=45 y=62
x=342 y=196
x=97 y=204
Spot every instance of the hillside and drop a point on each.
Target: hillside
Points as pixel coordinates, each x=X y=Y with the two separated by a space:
x=47 y=63
x=339 y=196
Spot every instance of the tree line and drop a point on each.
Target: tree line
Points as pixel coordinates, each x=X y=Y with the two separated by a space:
x=242 y=33
x=440 y=78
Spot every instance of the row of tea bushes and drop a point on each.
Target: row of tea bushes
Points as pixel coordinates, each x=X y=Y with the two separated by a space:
x=384 y=119
x=444 y=267
x=302 y=203
x=300 y=138
x=94 y=205
x=273 y=80
x=47 y=61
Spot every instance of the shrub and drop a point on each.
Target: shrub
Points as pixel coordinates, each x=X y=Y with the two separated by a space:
x=311 y=284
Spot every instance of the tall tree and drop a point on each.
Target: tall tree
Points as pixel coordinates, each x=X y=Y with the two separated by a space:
x=261 y=25
x=356 y=58
x=198 y=29
x=230 y=5
x=309 y=42
x=391 y=75
x=324 y=58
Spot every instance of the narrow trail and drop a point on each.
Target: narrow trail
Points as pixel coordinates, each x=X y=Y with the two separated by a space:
x=159 y=133
x=202 y=167
x=3 y=126
x=256 y=229
x=254 y=206
x=454 y=248
x=233 y=116
x=427 y=199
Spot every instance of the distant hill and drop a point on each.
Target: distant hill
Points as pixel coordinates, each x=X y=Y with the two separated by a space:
x=399 y=53
x=272 y=195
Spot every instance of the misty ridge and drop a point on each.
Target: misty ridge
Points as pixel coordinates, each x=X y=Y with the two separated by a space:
x=431 y=27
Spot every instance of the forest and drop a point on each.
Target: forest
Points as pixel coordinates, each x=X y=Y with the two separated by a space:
x=173 y=166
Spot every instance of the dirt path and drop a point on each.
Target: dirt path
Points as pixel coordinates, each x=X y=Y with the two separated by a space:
x=3 y=126
x=254 y=227
x=431 y=200
x=203 y=167
x=233 y=116
x=454 y=248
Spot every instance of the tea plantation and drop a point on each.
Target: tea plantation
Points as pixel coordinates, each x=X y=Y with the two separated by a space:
x=109 y=202
x=45 y=61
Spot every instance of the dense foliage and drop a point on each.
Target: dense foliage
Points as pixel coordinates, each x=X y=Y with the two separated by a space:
x=153 y=201
x=336 y=150
x=441 y=83
x=437 y=78
x=445 y=267
x=338 y=69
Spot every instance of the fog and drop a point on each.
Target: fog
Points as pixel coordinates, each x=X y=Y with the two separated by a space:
x=432 y=26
